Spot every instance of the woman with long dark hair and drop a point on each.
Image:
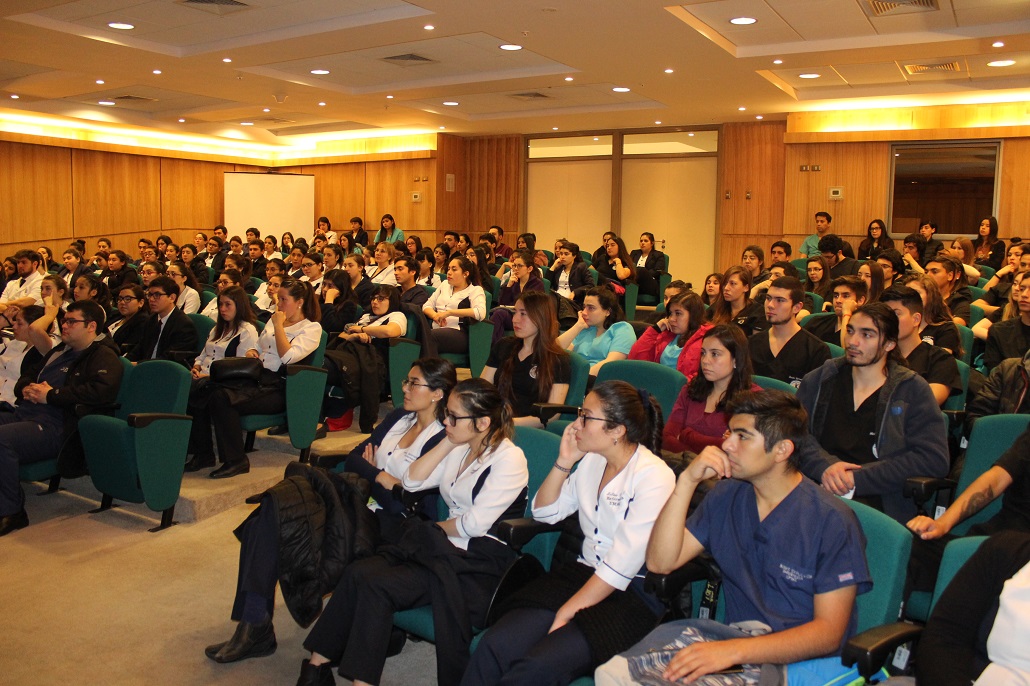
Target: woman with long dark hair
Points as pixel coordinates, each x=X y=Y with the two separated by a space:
x=119 y=271
x=482 y=277
x=520 y=276
x=189 y=290
x=427 y=275
x=938 y=327
x=530 y=367
x=734 y=305
x=233 y=334
x=999 y=286
x=581 y=613
x=354 y=266
x=133 y=310
x=482 y=477
x=875 y=242
x=872 y=273
x=291 y=336
x=413 y=244
x=197 y=265
x=569 y=275
x=456 y=299
x=617 y=267
x=599 y=334
x=675 y=340
x=989 y=249
x=698 y=418
x=713 y=286
x=650 y=264
x=388 y=231
x=818 y=272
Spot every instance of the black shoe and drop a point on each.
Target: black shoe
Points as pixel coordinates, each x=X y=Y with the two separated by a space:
x=198 y=462
x=250 y=640
x=280 y=430
x=310 y=675
x=321 y=432
x=230 y=469
x=19 y=520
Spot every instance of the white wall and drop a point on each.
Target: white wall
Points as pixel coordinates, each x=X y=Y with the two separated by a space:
x=569 y=199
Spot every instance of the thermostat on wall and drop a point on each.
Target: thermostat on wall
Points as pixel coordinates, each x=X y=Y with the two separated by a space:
x=416 y=196
x=836 y=193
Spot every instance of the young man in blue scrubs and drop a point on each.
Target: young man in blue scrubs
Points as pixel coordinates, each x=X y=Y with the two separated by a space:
x=791 y=554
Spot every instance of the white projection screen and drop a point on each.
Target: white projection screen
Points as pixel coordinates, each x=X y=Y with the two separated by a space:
x=272 y=203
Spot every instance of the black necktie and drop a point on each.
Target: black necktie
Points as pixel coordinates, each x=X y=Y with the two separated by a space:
x=160 y=331
x=21 y=282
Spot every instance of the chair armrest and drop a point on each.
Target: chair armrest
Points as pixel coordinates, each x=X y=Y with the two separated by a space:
x=922 y=488
x=956 y=417
x=871 y=648
x=667 y=587
x=294 y=369
x=548 y=411
x=518 y=532
x=400 y=339
x=142 y=420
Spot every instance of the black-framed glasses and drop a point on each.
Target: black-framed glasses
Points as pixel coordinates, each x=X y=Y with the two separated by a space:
x=582 y=414
x=453 y=420
x=412 y=383
x=305 y=265
x=380 y=298
x=154 y=295
x=126 y=298
x=70 y=320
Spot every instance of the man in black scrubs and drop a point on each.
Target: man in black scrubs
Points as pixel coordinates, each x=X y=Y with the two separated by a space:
x=785 y=351
x=873 y=422
x=848 y=293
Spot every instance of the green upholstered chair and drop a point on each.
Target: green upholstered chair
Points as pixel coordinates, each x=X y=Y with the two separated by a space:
x=401 y=354
x=835 y=350
x=207 y=294
x=966 y=336
x=809 y=317
x=769 y=383
x=817 y=301
x=203 y=324
x=480 y=337
x=976 y=313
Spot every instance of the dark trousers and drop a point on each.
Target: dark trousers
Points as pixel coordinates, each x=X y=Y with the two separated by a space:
x=22 y=442
x=259 y=558
x=222 y=412
x=518 y=650
x=451 y=341
x=501 y=319
x=355 y=625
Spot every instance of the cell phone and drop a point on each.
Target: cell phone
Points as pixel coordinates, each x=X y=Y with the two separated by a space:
x=733 y=669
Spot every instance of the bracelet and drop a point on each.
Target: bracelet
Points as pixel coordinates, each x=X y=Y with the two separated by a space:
x=562 y=469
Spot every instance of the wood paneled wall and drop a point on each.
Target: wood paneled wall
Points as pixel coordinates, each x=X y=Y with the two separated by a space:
x=751 y=159
x=496 y=185
x=35 y=193
x=1014 y=191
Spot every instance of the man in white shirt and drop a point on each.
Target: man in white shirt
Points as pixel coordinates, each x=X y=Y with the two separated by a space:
x=24 y=290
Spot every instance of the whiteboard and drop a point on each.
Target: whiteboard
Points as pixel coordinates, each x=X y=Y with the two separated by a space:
x=272 y=203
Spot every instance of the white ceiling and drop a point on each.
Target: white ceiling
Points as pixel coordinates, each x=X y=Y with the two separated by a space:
x=52 y=52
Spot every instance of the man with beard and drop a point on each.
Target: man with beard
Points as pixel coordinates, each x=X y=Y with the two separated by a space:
x=785 y=351
x=873 y=423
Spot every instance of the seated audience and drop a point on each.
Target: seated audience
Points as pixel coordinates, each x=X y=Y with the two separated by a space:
x=895 y=429
x=712 y=289
x=189 y=257
x=216 y=252
x=818 y=271
x=441 y=253
x=831 y=247
x=892 y=265
x=126 y=327
x=332 y=257
x=189 y=290
x=999 y=286
x=988 y=249
x=616 y=267
x=675 y=340
x=650 y=264
x=482 y=477
x=362 y=286
x=18 y=355
x=500 y=248
x=876 y=241
x=927 y=229
x=226 y=278
x=601 y=254
x=256 y=255
x=1010 y=338
x=599 y=334
x=273 y=267
x=427 y=275
x=937 y=328
x=947 y=273
x=381 y=272
x=565 y=623
x=753 y=261
x=388 y=231
x=168 y=330
x=914 y=247
x=482 y=275
x=1006 y=391
x=23 y=288
x=519 y=276
x=962 y=250
x=405 y=270
x=530 y=367
x=848 y=292
x=570 y=276
x=698 y=418
x=312 y=268
x=79 y=374
x=785 y=351
x=148 y=271
x=73 y=266
x=780 y=251
x=762 y=523
x=872 y=274
x=734 y=306
x=456 y=299
x=295 y=262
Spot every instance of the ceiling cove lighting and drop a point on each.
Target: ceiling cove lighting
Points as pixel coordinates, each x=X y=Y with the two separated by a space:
x=743 y=21
x=106 y=103
x=758 y=116
x=1001 y=63
x=157 y=72
x=741 y=109
x=246 y=123
x=15 y=97
x=266 y=110
x=321 y=104
x=429 y=27
x=658 y=123
x=443 y=128
x=389 y=97
x=451 y=103
x=227 y=60
x=554 y=128
x=621 y=89
x=668 y=71
x=569 y=78
x=319 y=72
x=809 y=76
x=182 y=121
x=100 y=82
x=997 y=44
x=510 y=47
x=777 y=61
x=121 y=26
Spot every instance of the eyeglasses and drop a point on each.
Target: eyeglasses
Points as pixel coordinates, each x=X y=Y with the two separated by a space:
x=154 y=295
x=451 y=419
x=305 y=265
x=69 y=321
x=125 y=299
x=582 y=414
x=379 y=298
x=412 y=383
x=148 y=272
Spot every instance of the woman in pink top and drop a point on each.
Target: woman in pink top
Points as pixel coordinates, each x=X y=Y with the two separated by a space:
x=675 y=341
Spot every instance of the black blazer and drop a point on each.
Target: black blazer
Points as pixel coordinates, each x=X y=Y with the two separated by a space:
x=655 y=262
x=199 y=268
x=360 y=239
x=579 y=277
x=115 y=280
x=63 y=272
x=129 y=334
x=179 y=336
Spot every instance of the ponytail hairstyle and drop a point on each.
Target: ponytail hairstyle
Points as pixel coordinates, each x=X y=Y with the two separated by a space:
x=542 y=312
x=480 y=398
x=635 y=410
x=302 y=290
x=440 y=375
x=244 y=313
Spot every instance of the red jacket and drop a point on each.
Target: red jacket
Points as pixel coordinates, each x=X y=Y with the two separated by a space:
x=652 y=343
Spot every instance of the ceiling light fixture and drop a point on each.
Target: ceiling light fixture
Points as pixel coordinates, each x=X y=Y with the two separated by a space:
x=266 y=110
x=246 y=123
x=997 y=44
x=227 y=59
x=658 y=122
x=691 y=135
x=621 y=89
x=777 y=61
x=182 y=121
x=429 y=27
x=321 y=104
x=668 y=71
x=743 y=21
x=554 y=128
x=157 y=72
x=100 y=82
x=389 y=97
x=808 y=76
x=758 y=116
x=106 y=103
x=1001 y=63
x=121 y=26
x=569 y=78
x=451 y=103
x=319 y=72
x=442 y=128
x=511 y=47
x=741 y=109
x=15 y=97
x=596 y=138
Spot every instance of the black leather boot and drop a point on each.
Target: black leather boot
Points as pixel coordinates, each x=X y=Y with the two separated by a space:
x=250 y=640
x=310 y=675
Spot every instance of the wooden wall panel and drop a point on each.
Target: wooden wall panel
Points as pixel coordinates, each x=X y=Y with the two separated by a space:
x=1014 y=197
x=451 y=205
x=116 y=193
x=861 y=169
x=388 y=188
x=751 y=159
x=339 y=193
x=35 y=193
x=496 y=184
x=192 y=194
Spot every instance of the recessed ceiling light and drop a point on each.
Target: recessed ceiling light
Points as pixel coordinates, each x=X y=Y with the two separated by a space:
x=743 y=21
x=246 y=123
x=621 y=89
x=100 y=82
x=182 y=121
x=777 y=61
x=157 y=71
x=510 y=47
x=568 y=78
x=121 y=26
x=897 y=154
x=442 y=128
x=106 y=103
x=15 y=97
x=758 y=116
x=429 y=27
x=321 y=104
x=266 y=110
x=997 y=44
x=389 y=97
x=741 y=109
x=319 y=72
x=668 y=71
x=227 y=59
x=658 y=122
x=451 y=103
x=1001 y=63
x=690 y=134
x=596 y=138
x=808 y=76
x=554 y=128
